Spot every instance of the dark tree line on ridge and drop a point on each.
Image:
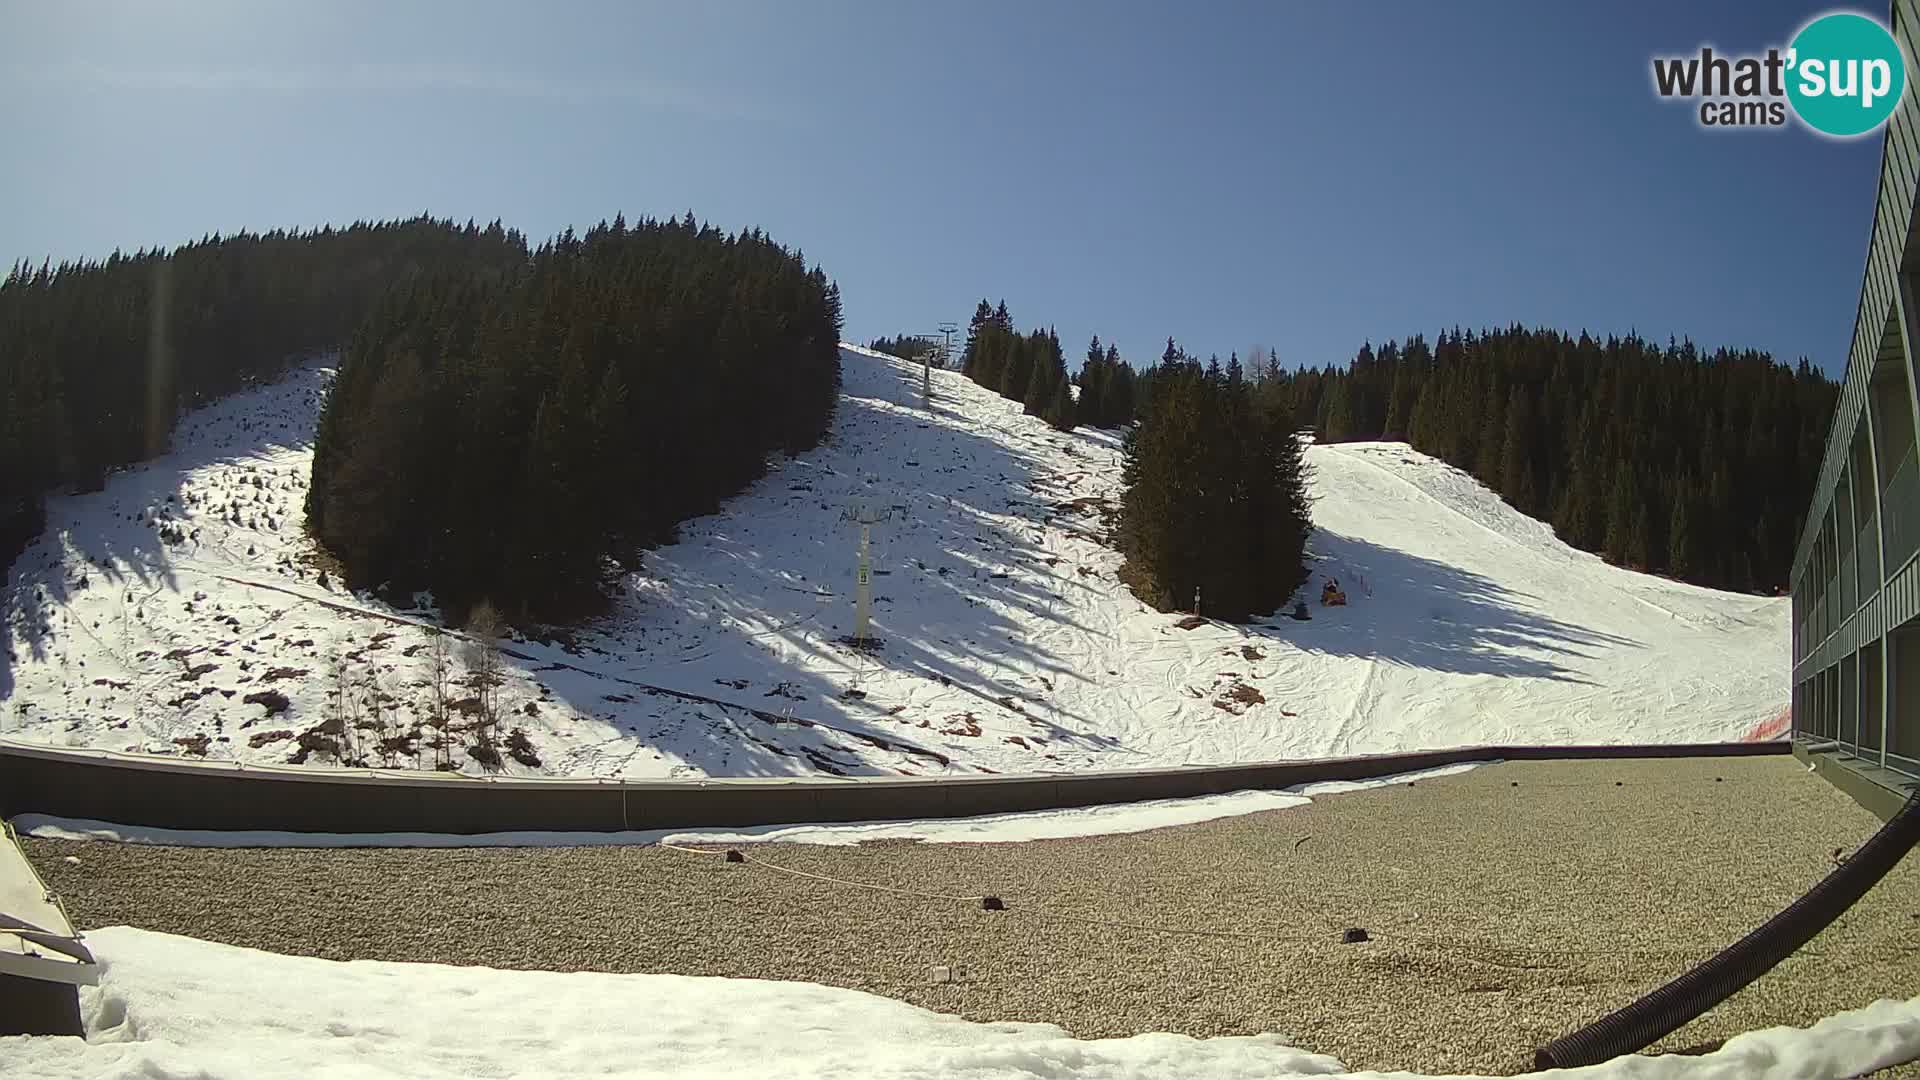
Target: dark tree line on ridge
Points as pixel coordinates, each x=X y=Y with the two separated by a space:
x=516 y=439
x=1694 y=464
x=1107 y=387
x=98 y=358
x=1215 y=503
x=1031 y=369
x=906 y=346
x=1026 y=368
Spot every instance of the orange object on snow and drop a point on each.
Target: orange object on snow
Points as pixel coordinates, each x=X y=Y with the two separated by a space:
x=1331 y=596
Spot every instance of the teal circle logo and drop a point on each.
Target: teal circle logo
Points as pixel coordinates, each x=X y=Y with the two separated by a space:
x=1845 y=74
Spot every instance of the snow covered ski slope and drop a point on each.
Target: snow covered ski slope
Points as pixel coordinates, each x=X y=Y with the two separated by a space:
x=150 y=612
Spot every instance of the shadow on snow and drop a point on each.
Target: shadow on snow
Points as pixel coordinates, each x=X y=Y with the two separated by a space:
x=750 y=604
x=120 y=547
x=1433 y=615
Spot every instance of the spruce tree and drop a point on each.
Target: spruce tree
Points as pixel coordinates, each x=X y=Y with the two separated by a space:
x=1060 y=406
x=1399 y=405
x=1215 y=497
x=545 y=388
x=1117 y=402
x=1017 y=374
x=969 y=354
x=1490 y=458
x=1094 y=377
x=1423 y=427
x=1516 y=454
x=1337 y=421
x=1621 y=516
x=1152 y=535
x=1040 y=381
x=1639 y=539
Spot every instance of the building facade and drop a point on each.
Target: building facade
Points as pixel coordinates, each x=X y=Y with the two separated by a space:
x=1856 y=582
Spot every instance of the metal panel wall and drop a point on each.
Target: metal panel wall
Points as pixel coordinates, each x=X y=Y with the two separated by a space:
x=1829 y=697
x=1892 y=221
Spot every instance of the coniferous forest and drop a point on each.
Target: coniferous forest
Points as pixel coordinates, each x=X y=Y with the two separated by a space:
x=1107 y=387
x=506 y=424
x=906 y=346
x=1215 y=504
x=1026 y=368
x=1683 y=462
x=510 y=424
x=1031 y=369
x=513 y=438
x=97 y=359
x=1215 y=497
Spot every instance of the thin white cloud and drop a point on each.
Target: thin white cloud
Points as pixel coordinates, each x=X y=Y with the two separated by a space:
x=379 y=79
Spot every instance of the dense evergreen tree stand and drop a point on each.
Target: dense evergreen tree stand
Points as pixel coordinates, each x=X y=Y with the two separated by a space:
x=1026 y=368
x=97 y=359
x=506 y=425
x=517 y=438
x=1106 y=387
x=906 y=346
x=1216 y=496
x=1673 y=460
x=1031 y=369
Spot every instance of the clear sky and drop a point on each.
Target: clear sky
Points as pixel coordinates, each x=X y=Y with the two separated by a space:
x=1304 y=176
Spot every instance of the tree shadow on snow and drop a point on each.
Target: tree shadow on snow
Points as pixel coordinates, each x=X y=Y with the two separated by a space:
x=1428 y=614
x=141 y=531
x=750 y=604
x=746 y=608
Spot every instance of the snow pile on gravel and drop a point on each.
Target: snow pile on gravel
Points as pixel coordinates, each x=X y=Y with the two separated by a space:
x=181 y=611
x=175 y=1007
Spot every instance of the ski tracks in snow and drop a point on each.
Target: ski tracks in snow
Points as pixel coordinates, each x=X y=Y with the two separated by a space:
x=1008 y=643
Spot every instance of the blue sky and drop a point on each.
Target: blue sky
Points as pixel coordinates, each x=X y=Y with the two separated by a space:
x=1301 y=176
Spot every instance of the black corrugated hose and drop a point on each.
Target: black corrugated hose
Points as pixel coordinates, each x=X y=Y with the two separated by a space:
x=1664 y=1010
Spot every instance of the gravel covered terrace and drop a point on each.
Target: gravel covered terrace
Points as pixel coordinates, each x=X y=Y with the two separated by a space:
x=1505 y=906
